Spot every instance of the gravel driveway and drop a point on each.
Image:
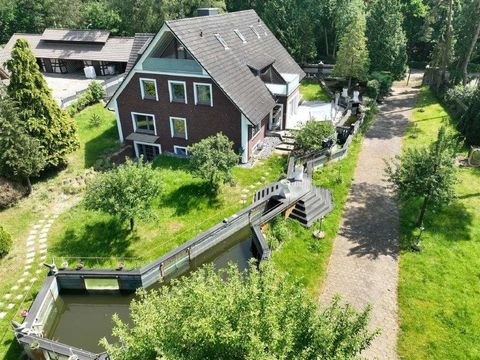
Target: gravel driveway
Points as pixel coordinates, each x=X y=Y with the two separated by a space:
x=363 y=267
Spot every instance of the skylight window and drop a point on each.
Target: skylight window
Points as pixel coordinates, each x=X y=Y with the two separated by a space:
x=263 y=30
x=255 y=31
x=222 y=41
x=240 y=35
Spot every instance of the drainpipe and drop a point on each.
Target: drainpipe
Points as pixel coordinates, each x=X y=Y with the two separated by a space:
x=244 y=126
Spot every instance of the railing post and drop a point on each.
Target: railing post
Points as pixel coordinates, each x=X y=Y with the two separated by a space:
x=161 y=270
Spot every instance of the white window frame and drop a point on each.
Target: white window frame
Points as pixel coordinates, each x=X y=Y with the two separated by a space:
x=145 y=143
x=143 y=90
x=195 y=93
x=222 y=41
x=175 y=147
x=172 y=129
x=177 y=82
x=134 y=123
x=255 y=31
x=240 y=35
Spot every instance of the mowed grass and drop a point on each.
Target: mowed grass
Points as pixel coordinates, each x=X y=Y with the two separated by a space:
x=95 y=141
x=304 y=257
x=184 y=209
x=439 y=290
x=18 y=220
x=312 y=91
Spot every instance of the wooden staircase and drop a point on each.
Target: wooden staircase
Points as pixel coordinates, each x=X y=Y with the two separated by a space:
x=316 y=204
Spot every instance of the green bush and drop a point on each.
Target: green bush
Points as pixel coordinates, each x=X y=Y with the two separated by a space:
x=385 y=80
x=5 y=242
x=277 y=232
x=94 y=120
x=311 y=136
x=373 y=88
x=92 y=95
x=469 y=124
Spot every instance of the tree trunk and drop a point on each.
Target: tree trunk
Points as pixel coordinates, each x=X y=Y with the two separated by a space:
x=29 y=184
x=349 y=82
x=132 y=224
x=422 y=211
x=326 y=42
x=334 y=53
x=448 y=43
x=472 y=46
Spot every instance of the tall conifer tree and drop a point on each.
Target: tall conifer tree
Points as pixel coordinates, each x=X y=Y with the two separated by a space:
x=42 y=117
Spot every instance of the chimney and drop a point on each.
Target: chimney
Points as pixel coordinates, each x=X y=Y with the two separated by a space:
x=207 y=11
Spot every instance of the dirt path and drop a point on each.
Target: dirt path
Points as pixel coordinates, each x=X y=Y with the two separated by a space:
x=363 y=267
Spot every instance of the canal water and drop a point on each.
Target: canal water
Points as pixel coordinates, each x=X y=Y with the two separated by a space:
x=82 y=319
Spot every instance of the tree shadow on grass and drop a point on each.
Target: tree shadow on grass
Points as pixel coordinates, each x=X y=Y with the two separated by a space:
x=450 y=223
x=105 y=238
x=14 y=351
x=104 y=144
x=191 y=196
x=171 y=163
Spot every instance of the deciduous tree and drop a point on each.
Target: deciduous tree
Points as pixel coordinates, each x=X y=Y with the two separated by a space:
x=212 y=159
x=37 y=110
x=427 y=173
x=127 y=191
x=259 y=314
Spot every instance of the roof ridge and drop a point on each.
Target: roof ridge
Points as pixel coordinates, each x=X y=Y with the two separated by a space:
x=209 y=16
x=78 y=29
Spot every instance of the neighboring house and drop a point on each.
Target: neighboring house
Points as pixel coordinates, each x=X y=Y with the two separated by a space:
x=200 y=76
x=70 y=51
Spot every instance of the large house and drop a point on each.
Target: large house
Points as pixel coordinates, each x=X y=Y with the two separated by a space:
x=200 y=76
x=70 y=51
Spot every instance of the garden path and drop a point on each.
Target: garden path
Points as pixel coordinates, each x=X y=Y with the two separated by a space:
x=363 y=268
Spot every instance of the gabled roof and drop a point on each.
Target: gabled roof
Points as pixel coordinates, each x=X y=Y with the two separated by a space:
x=92 y=36
x=140 y=43
x=229 y=68
x=115 y=49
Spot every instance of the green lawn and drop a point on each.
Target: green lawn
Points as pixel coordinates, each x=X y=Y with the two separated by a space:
x=94 y=141
x=182 y=211
x=439 y=290
x=18 y=220
x=311 y=91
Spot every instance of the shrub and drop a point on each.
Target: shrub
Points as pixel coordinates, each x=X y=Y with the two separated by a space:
x=5 y=242
x=10 y=192
x=470 y=122
x=385 y=80
x=460 y=93
x=92 y=95
x=277 y=232
x=373 y=88
x=94 y=120
x=96 y=91
x=312 y=136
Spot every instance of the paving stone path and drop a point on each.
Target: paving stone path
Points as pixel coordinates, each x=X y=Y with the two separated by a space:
x=35 y=250
x=363 y=267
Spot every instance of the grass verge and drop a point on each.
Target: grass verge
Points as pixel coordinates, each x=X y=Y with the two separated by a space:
x=439 y=289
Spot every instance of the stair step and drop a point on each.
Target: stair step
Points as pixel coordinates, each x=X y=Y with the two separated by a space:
x=316 y=204
x=284 y=146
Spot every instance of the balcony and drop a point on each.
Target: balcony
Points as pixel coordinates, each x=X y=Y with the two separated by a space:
x=292 y=82
x=175 y=66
